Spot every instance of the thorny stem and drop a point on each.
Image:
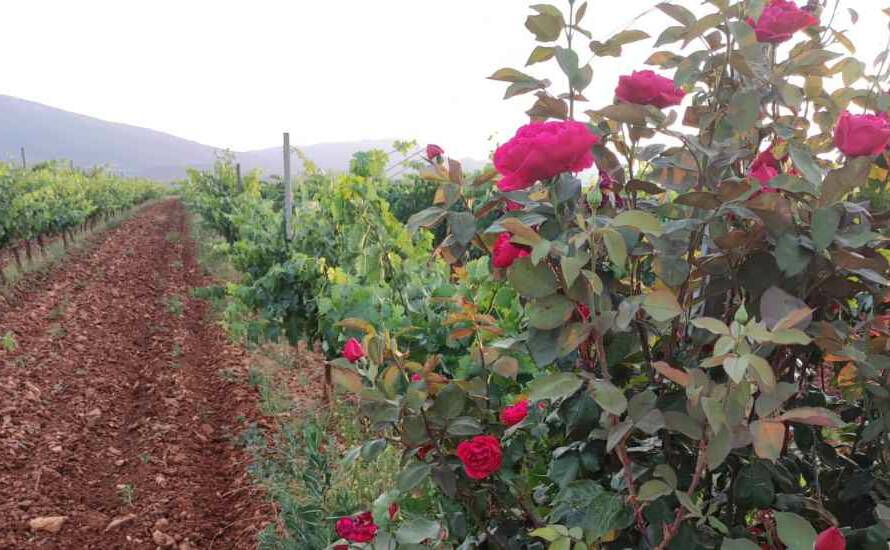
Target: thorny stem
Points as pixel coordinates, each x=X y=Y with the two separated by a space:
x=670 y=531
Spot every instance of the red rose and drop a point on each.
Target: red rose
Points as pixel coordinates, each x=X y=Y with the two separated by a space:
x=607 y=188
x=424 y=451
x=512 y=206
x=542 y=150
x=434 y=151
x=648 y=88
x=481 y=456
x=831 y=539
x=862 y=135
x=393 y=510
x=353 y=350
x=504 y=253
x=510 y=416
x=360 y=528
x=779 y=20
x=583 y=312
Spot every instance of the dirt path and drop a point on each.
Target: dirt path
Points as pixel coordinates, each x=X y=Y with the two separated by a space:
x=121 y=403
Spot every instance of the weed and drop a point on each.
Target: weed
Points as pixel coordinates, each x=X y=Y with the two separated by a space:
x=176 y=264
x=127 y=493
x=173 y=237
x=56 y=331
x=174 y=305
x=8 y=342
x=144 y=457
x=177 y=350
x=228 y=375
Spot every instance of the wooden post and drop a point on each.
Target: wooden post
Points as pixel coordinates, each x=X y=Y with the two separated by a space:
x=288 y=190
x=238 y=177
x=24 y=162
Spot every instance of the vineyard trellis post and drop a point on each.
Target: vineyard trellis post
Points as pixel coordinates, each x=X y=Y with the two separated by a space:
x=288 y=190
x=240 y=184
x=24 y=162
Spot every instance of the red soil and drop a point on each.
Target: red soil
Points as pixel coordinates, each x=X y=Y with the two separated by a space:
x=122 y=401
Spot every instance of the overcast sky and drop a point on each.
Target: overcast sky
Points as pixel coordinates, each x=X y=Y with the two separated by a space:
x=235 y=74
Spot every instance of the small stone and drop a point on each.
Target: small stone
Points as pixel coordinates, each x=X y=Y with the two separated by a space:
x=162 y=539
x=120 y=520
x=56 y=448
x=162 y=524
x=52 y=524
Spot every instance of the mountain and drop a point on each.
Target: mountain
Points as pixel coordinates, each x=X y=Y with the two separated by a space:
x=49 y=133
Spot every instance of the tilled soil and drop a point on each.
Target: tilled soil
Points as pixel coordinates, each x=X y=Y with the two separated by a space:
x=121 y=405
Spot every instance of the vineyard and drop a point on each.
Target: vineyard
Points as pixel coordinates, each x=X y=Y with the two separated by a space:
x=658 y=323
x=54 y=200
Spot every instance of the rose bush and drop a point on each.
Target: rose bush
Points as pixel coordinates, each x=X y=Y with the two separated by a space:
x=698 y=363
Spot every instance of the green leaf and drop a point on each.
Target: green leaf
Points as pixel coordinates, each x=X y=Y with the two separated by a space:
x=795 y=532
x=653 y=489
x=644 y=221
x=429 y=217
x=719 y=448
x=735 y=367
x=547 y=533
x=687 y=503
x=662 y=305
x=714 y=412
x=805 y=162
x=418 y=530
x=714 y=326
x=744 y=111
x=554 y=386
x=843 y=180
x=678 y=12
x=609 y=397
x=532 y=281
x=763 y=371
x=572 y=266
x=738 y=544
x=449 y=402
x=412 y=475
x=790 y=257
x=347 y=379
x=616 y=247
x=550 y=312
x=540 y=53
x=462 y=225
x=824 y=226
x=464 y=426
x=511 y=75
x=546 y=26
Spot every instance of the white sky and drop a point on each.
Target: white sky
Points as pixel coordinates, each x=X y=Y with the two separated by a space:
x=235 y=74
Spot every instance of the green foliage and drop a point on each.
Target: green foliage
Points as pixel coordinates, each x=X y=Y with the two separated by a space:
x=51 y=198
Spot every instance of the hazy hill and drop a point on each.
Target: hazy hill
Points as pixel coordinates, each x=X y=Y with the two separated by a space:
x=48 y=133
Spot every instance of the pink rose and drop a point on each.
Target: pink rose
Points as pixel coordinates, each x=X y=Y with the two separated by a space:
x=510 y=416
x=542 y=150
x=360 y=528
x=831 y=539
x=434 y=151
x=648 y=88
x=353 y=350
x=481 y=456
x=416 y=377
x=779 y=20
x=862 y=135
x=504 y=253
